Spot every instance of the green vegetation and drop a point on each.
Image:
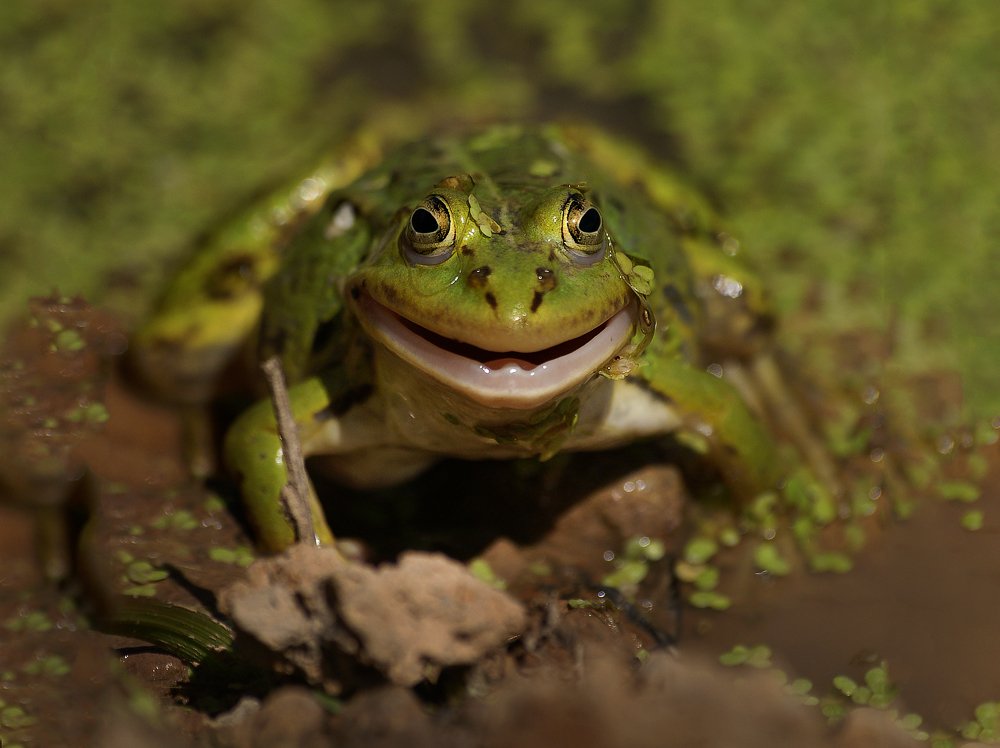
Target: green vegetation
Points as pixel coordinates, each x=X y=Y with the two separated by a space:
x=850 y=144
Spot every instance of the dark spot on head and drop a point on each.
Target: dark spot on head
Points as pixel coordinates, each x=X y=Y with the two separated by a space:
x=390 y=294
x=478 y=276
x=466 y=250
x=491 y=299
x=536 y=301
x=546 y=279
x=355 y=292
x=552 y=254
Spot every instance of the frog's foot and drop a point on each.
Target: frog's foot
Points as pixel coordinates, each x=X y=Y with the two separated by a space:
x=511 y=379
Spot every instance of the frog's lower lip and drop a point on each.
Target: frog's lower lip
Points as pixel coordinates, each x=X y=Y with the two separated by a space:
x=500 y=379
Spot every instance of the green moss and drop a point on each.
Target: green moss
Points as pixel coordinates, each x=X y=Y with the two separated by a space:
x=884 y=196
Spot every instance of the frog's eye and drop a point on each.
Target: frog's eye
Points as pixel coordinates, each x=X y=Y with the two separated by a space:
x=583 y=229
x=429 y=236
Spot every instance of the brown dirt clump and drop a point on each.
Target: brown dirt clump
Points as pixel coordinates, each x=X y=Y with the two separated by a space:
x=406 y=620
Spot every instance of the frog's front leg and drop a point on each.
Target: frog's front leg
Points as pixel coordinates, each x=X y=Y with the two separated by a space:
x=254 y=453
x=736 y=441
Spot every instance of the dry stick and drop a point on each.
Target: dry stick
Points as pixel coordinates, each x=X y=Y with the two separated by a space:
x=295 y=493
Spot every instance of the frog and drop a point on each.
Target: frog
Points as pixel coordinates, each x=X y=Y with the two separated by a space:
x=499 y=292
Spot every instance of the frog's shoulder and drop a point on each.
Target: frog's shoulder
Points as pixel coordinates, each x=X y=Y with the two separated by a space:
x=208 y=311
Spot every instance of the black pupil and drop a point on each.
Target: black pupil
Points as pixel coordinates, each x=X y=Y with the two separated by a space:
x=590 y=221
x=423 y=221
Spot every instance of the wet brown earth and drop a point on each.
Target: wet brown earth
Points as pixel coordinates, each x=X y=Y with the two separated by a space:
x=607 y=648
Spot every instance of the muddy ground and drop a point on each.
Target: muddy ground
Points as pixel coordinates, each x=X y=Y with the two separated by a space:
x=596 y=612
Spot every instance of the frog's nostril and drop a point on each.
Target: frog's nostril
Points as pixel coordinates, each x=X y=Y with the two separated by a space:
x=478 y=278
x=546 y=279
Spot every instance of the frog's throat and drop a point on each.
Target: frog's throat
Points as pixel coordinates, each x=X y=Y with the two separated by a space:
x=499 y=379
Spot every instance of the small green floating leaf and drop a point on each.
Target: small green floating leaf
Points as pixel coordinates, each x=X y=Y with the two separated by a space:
x=699 y=550
x=910 y=721
x=629 y=574
x=143 y=572
x=767 y=557
x=51 y=665
x=729 y=537
x=971 y=730
x=862 y=695
x=735 y=656
x=241 y=555
x=757 y=656
x=645 y=549
x=939 y=740
x=707 y=579
x=845 y=685
x=482 y=571
x=957 y=490
x=973 y=520
x=33 y=621
x=14 y=718
x=837 y=563
x=988 y=715
x=978 y=466
x=214 y=504
x=181 y=519
x=710 y=600
x=800 y=686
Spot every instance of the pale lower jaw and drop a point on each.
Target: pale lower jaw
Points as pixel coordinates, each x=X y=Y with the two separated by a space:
x=501 y=383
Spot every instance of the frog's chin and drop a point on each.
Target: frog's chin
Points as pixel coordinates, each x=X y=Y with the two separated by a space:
x=506 y=379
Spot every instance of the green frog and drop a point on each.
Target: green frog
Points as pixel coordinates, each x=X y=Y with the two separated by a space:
x=516 y=291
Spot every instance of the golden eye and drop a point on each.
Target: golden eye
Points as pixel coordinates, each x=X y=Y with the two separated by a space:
x=430 y=227
x=583 y=226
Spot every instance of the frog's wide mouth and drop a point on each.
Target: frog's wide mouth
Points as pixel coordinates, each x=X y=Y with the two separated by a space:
x=510 y=379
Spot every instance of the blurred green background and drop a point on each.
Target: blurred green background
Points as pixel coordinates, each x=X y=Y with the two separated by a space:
x=854 y=146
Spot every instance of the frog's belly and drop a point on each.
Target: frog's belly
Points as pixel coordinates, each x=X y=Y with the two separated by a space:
x=629 y=412
x=612 y=413
x=399 y=432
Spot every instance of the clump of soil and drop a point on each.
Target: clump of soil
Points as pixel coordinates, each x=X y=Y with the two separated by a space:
x=326 y=615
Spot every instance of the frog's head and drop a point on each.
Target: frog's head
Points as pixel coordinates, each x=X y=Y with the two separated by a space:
x=511 y=297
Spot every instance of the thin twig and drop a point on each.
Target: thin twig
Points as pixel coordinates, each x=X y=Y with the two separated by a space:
x=295 y=493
